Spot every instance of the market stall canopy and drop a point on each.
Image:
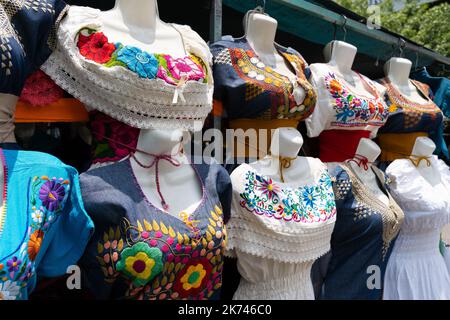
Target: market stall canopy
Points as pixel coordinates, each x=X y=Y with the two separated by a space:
x=319 y=21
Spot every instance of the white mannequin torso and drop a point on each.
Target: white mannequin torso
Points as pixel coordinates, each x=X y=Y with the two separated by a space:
x=260 y=34
x=286 y=143
x=340 y=56
x=369 y=149
x=136 y=23
x=424 y=147
x=397 y=70
x=180 y=186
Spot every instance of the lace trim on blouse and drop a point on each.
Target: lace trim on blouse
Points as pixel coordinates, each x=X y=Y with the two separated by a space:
x=122 y=94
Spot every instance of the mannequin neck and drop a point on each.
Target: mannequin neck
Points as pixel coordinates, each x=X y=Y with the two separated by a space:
x=159 y=143
x=260 y=33
x=423 y=148
x=366 y=153
x=341 y=55
x=138 y=13
x=398 y=70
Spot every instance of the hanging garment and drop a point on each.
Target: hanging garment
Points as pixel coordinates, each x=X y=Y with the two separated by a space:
x=254 y=96
x=277 y=230
x=440 y=87
x=416 y=269
x=407 y=121
x=142 y=89
x=44 y=228
x=27 y=34
x=362 y=239
x=139 y=251
x=343 y=114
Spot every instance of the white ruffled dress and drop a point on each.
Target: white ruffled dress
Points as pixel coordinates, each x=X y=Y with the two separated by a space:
x=276 y=232
x=416 y=269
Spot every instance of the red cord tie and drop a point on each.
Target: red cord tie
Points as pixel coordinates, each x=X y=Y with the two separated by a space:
x=361 y=161
x=155 y=162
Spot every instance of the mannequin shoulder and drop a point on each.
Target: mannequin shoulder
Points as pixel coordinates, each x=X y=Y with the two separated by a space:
x=226 y=42
x=240 y=174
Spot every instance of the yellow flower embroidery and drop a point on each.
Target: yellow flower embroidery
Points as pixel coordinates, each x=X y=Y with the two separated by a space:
x=193 y=277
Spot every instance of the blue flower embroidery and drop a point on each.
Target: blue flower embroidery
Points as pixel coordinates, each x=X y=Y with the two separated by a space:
x=309 y=197
x=143 y=63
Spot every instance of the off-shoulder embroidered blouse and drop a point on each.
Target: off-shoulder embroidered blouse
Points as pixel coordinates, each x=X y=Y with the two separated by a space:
x=43 y=225
x=142 y=89
x=340 y=107
x=277 y=230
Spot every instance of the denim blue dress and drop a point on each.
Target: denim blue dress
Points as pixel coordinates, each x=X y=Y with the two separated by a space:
x=362 y=239
x=141 y=252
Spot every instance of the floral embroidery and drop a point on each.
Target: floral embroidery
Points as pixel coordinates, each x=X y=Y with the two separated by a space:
x=160 y=263
x=353 y=111
x=40 y=90
x=144 y=64
x=113 y=140
x=94 y=46
x=306 y=204
x=47 y=197
x=141 y=263
x=52 y=194
x=34 y=244
x=9 y=290
x=172 y=70
x=193 y=278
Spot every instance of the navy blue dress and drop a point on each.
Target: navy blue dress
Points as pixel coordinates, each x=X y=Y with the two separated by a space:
x=362 y=238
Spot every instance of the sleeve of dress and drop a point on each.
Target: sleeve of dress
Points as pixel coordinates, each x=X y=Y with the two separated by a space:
x=224 y=190
x=71 y=227
x=319 y=120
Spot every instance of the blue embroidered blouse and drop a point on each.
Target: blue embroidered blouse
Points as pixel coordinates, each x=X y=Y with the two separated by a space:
x=362 y=238
x=27 y=34
x=249 y=89
x=141 y=252
x=43 y=225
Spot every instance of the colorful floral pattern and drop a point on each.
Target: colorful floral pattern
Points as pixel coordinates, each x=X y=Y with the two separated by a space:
x=94 y=46
x=113 y=140
x=47 y=198
x=354 y=111
x=307 y=204
x=158 y=262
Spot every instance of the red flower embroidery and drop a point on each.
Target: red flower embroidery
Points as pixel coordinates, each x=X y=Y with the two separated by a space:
x=193 y=279
x=96 y=47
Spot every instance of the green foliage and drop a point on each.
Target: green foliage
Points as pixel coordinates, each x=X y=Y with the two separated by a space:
x=425 y=24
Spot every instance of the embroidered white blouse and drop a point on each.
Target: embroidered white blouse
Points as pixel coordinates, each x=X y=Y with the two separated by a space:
x=416 y=268
x=340 y=106
x=144 y=90
x=277 y=230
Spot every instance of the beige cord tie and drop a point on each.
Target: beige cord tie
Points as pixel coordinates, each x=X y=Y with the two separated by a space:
x=285 y=163
x=416 y=160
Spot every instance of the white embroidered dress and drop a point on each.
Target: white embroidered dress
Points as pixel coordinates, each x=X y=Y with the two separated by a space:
x=416 y=268
x=143 y=103
x=276 y=232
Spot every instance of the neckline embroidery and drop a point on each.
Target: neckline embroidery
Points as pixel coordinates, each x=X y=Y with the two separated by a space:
x=260 y=78
x=313 y=203
x=94 y=46
x=399 y=99
x=391 y=214
x=351 y=110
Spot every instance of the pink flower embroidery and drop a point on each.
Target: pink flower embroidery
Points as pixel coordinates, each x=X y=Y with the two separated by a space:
x=177 y=68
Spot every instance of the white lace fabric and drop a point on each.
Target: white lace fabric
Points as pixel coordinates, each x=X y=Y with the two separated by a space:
x=122 y=94
x=270 y=251
x=416 y=268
